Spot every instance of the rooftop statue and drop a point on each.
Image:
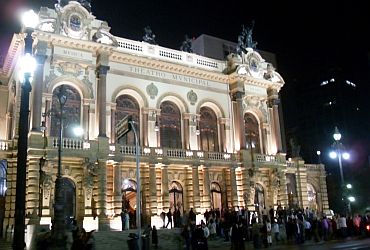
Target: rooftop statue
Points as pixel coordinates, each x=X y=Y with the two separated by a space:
x=186 y=45
x=149 y=37
x=245 y=39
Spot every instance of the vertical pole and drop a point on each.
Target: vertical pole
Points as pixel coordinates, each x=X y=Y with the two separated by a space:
x=58 y=233
x=20 y=198
x=138 y=194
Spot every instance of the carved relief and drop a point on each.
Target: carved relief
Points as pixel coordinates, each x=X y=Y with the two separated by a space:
x=192 y=97
x=152 y=90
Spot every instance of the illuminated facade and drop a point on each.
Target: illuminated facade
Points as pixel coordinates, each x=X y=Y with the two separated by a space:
x=209 y=129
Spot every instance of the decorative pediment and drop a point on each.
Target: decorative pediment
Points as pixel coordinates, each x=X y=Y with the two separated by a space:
x=75 y=20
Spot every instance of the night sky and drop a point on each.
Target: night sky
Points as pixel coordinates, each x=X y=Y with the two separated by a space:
x=309 y=38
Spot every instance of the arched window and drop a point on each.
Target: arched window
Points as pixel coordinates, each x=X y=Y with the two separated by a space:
x=71 y=112
x=170 y=125
x=69 y=190
x=311 y=196
x=252 y=135
x=208 y=130
x=127 y=105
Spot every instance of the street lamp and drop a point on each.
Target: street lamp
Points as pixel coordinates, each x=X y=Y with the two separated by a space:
x=318 y=152
x=138 y=196
x=58 y=232
x=340 y=154
x=27 y=67
x=350 y=199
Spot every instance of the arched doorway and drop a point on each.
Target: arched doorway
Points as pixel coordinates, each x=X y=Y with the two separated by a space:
x=69 y=190
x=129 y=195
x=3 y=188
x=311 y=196
x=291 y=184
x=216 y=196
x=176 y=197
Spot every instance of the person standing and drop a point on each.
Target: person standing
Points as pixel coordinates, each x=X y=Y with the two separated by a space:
x=163 y=217
x=127 y=220
x=268 y=231
x=155 y=237
x=169 y=218
x=123 y=220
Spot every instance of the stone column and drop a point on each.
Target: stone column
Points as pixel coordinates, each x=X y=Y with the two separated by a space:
x=186 y=131
x=283 y=192
x=153 y=189
x=48 y=117
x=113 y=124
x=101 y=98
x=117 y=188
x=206 y=189
x=234 y=188
x=165 y=191
x=273 y=103
x=102 y=196
x=37 y=87
x=145 y=129
x=222 y=135
x=239 y=118
x=196 y=193
x=301 y=177
x=85 y=119
x=324 y=190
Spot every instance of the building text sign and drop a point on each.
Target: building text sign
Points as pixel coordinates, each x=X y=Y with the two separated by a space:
x=175 y=77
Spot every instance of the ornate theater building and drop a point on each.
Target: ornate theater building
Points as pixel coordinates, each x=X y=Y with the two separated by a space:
x=209 y=130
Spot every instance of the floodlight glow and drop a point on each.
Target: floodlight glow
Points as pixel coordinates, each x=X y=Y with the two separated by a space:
x=318 y=152
x=351 y=199
x=27 y=64
x=349 y=186
x=333 y=155
x=78 y=131
x=345 y=155
x=30 y=19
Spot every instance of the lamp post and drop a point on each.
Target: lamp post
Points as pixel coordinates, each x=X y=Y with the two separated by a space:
x=340 y=154
x=28 y=65
x=58 y=232
x=138 y=196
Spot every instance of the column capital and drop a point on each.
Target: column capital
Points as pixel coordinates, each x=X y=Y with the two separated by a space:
x=102 y=69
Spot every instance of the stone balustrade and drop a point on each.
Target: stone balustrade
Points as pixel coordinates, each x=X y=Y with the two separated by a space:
x=5 y=145
x=170 y=55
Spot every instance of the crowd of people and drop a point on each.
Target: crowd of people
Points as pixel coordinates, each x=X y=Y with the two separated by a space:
x=268 y=227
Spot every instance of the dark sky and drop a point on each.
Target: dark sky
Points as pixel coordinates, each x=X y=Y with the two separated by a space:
x=308 y=37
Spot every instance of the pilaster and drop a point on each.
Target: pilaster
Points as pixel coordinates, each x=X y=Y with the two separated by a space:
x=196 y=193
x=165 y=191
x=152 y=189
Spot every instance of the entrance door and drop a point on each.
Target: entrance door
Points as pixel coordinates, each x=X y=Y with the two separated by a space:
x=216 y=196
x=176 y=199
x=69 y=190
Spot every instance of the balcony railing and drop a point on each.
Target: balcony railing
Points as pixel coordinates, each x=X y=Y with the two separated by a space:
x=69 y=143
x=177 y=153
x=171 y=55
